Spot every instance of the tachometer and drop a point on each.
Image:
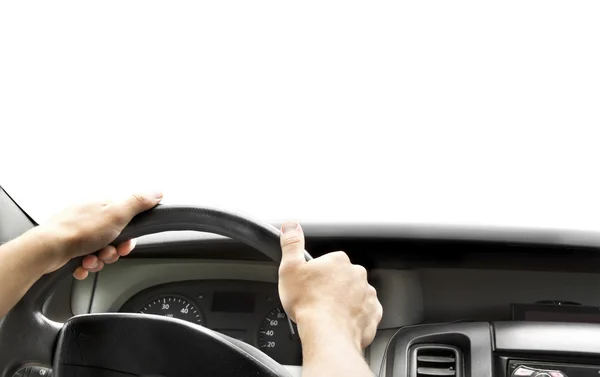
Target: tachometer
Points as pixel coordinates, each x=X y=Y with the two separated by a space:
x=176 y=307
x=278 y=338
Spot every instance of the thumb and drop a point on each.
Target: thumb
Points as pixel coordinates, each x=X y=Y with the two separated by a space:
x=292 y=244
x=137 y=203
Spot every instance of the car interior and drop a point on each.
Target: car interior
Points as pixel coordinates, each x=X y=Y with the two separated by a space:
x=199 y=297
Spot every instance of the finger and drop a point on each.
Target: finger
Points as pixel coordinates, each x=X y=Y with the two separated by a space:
x=369 y=335
x=360 y=271
x=108 y=254
x=377 y=311
x=80 y=273
x=339 y=257
x=137 y=203
x=371 y=329
x=89 y=262
x=371 y=291
x=126 y=247
x=292 y=244
x=379 y=315
x=99 y=266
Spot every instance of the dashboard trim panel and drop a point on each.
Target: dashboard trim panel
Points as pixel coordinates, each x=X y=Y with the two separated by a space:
x=547 y=337
x=120 y=281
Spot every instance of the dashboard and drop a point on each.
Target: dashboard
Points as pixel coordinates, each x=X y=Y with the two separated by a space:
x=470 y=304
x=245 y=310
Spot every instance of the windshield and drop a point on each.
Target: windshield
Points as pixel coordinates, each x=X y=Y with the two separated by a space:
x=402 y=112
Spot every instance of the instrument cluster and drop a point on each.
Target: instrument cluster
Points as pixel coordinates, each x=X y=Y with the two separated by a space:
x=248 y=311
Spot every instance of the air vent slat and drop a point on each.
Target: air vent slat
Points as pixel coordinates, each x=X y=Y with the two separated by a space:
x=435 y=371
x=435 y=359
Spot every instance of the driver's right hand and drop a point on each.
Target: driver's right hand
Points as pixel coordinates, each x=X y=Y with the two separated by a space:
x=328 y=295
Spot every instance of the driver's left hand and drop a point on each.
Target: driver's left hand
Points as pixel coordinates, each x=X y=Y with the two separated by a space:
x=85 y=229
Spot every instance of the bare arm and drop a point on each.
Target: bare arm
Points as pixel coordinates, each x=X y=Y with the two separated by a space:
x=77 y=231
x=327 y=352
x=336 y=309
x=22 y=262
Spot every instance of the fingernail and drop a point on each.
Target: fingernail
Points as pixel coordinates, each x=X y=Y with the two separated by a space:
x=157 y=195
x=289 y=226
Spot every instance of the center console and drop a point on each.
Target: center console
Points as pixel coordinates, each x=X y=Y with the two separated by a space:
x=501 y=349
x=542 y=339
x=527 y=368
x=547 y=349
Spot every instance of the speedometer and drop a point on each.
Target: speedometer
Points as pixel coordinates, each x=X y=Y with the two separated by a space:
x=278 y=338
x=175 y=307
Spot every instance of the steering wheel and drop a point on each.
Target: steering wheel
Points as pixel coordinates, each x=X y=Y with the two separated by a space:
x=125 y=345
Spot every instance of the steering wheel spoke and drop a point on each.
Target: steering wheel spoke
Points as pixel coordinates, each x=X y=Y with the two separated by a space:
x=27 y=336
x=103 y=345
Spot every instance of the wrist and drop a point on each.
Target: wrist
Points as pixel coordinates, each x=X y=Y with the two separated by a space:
x=323 y=327
x=47 y=246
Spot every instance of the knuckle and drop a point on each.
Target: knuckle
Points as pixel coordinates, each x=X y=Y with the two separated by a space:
x=109 y=250
x=360 y=271
x=379 y=312
x=286 y=268
x=115 y=216
x=291 y=240
x=377 y=309
x=369 y=335
x=339 y=256
x=141 y=200
x=372 y=291
x=109 y=255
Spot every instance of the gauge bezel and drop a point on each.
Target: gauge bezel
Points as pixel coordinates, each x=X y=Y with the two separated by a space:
x=175 y=295
x=260 y=325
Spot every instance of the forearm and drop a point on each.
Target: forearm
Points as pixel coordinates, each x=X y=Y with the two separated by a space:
x=22 y=262
x=327 y=351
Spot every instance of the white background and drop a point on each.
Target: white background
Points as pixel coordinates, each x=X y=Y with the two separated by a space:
x=461 y=112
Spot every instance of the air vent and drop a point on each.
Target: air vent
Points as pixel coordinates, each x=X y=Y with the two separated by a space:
x=430 y=360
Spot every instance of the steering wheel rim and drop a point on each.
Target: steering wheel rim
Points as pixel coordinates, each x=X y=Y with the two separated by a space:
x=27 y=336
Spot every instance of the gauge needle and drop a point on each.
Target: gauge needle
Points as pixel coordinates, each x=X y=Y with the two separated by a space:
x=291 y=327
x=293 y=333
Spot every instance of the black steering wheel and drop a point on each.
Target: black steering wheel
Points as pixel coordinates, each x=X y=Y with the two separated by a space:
x=125 y=345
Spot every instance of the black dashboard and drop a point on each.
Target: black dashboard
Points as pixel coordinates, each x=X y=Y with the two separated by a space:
x=245 y=310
